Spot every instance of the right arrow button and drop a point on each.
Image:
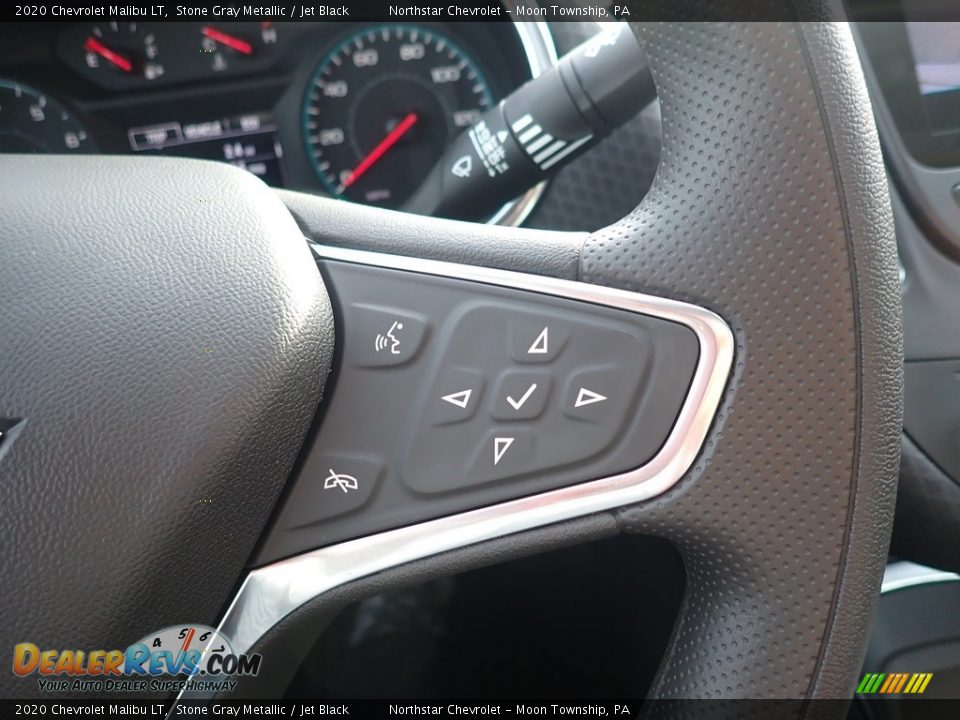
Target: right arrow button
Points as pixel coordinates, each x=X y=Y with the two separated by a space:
x=588 y=397
x=600 y=394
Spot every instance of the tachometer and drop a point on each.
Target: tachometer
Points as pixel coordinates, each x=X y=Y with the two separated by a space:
x=31 y=121
x=382 y=106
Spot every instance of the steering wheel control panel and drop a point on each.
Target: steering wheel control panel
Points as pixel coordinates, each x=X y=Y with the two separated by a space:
x=531 y=387
x=452 y=395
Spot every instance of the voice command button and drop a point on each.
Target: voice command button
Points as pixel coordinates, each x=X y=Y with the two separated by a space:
x=381 y=336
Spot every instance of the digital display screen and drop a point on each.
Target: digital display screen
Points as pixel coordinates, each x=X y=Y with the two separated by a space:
x=936 y=53
x=916 y=63
x=248 y=141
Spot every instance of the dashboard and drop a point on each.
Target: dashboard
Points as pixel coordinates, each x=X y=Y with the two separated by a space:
x=358 y=111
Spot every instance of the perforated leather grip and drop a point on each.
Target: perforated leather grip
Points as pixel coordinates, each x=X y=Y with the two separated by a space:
x=770 y=208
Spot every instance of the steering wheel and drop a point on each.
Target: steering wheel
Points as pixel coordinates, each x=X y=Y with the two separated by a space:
x=168 y=343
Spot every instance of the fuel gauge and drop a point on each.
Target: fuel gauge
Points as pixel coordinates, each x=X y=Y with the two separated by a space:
x=114 y=54
x=123 y=47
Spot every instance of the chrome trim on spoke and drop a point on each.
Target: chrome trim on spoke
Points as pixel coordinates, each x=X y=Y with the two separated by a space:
x=903 y=575
x=272 y=592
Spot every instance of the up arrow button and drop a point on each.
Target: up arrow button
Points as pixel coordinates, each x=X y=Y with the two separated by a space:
x=541 y=346
x=537 y=339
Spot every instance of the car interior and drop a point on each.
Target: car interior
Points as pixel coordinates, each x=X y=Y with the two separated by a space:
x=489 y=359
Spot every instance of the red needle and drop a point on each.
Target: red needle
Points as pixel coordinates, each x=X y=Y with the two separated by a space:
x=234 y=43
x=187 y=640
x=94 y=45
x=380 y=150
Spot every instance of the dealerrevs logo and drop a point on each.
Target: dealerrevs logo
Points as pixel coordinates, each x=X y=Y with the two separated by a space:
x=165 y=661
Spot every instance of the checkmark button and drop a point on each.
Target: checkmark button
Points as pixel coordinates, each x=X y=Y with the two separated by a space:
x=520 y=395
x=517 y=404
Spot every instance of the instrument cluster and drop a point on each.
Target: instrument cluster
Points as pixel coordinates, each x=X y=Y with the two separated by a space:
x=354 y=110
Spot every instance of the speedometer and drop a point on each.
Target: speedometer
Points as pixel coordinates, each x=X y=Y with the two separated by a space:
x=382 y=106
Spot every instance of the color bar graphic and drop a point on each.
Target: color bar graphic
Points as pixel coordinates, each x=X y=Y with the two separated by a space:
x=894 y=683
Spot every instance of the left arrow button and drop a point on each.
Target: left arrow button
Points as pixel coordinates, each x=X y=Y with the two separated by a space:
x=455 y=397
x=460 y=399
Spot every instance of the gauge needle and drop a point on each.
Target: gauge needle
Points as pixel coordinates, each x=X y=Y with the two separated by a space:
x=94 y=45
x=380 y=150
x=187 y=640
x=234 y=43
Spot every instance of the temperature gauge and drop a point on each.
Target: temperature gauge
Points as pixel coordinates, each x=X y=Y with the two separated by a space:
x=230 y=43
